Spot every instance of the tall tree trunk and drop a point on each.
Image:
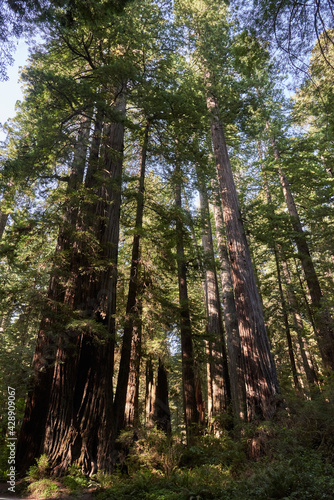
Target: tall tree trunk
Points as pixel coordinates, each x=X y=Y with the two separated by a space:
x=79 y=426
x=277 y=253
x=7 y=199
x=236 y=370
x=260 y=373
x=286 y=323
x=132 y=310
x=188 y=373
x=199 y=397
x=299 y=327
x=323 y=319
x=30 y=443
x=218 y=370
x=3 y=223
x=149 y=394
x=161 y=404
x=131 y=418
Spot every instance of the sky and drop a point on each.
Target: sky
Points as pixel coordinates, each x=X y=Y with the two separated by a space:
x=10 y=91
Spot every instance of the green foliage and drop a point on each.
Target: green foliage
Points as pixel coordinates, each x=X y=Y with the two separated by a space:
x=40 y=485
x=44 y=488
x=39 y=471
x=212 y=451
x=75 y=480
x=152 y=451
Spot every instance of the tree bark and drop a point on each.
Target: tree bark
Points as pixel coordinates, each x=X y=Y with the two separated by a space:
x=286 y=324
x=3 y=223
x=188 y=372
x=310 y=372
x=32 y=433
x=161 y=415
x=131 y=418
x=278 y=253
x=79 y=426
x=149 y=394
x=219 y=382
x=260 y=373
x=132 y=310
x=236 y=370
x=322 y=316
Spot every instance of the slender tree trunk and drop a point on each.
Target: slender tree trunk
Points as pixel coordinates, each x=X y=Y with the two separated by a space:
x=161 y=405
x=132 y=397
x=306 y=297
x=299 y=327
x=260 y=373
x=236 y=371
x=149 y=394
x=218 y=369
x=7 y=199
x=286 y=324
x=199 y=396
x=132 y=310
x=30 y=443
x=3 y=223
x=277 y=252
x=188 y=372
x=323 y=319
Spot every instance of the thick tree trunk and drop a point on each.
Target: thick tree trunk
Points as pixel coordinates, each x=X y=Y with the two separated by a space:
x=236 y=371
x=161 y=415
x=219 y=382
x=260 y=373
x=79 y=426
x=323 y=319
x=30 y=443
x=188 y=372
x=132 y=309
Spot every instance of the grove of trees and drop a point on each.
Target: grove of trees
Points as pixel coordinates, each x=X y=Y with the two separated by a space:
x=166 y=224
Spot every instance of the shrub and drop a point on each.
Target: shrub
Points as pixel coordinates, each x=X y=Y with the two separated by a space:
x=44 y=488
x=39 y=471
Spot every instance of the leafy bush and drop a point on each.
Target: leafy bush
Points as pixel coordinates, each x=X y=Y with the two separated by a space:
x=210 y=450
x=301 y=477
x=39 y=471
x=153 y=450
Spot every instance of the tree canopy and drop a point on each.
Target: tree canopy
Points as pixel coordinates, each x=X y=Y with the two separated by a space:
x=166 y=253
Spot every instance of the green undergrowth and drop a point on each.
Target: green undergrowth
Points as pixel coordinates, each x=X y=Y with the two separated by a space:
x=302 y=476
x=289 y=458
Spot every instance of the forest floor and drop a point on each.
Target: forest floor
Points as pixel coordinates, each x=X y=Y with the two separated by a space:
x=62 y=493
x=290 y=458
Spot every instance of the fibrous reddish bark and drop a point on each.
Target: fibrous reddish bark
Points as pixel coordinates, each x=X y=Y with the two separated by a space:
x=219 y=393
x=76 y=423
x=260 y=373
x=33 y=429
x=236 y=371
x=79 y=426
